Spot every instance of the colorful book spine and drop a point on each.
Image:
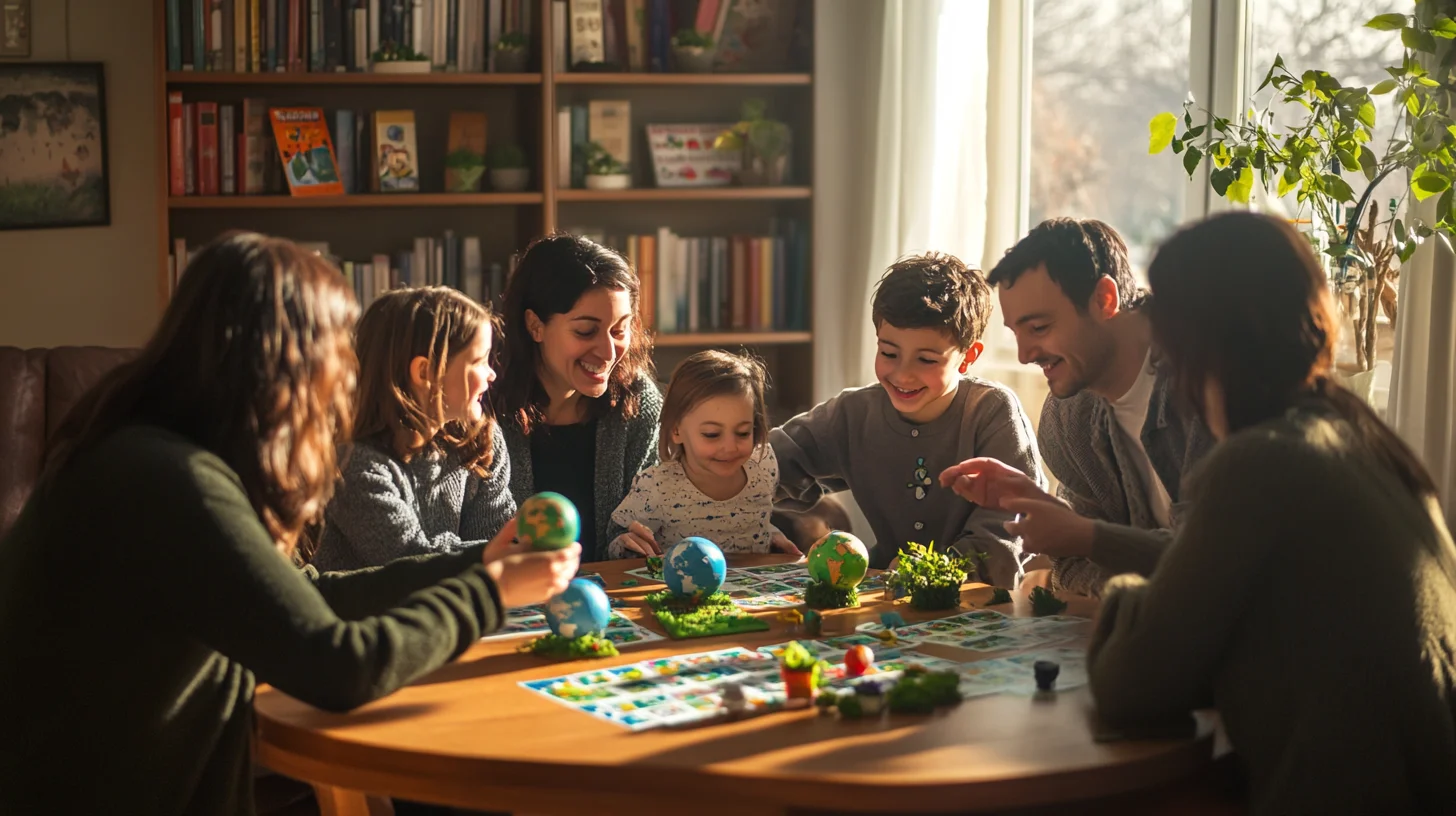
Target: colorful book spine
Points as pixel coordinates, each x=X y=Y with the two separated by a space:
x=344 y=143
x=240 y=41
x=199 y=34
x=174 y=35
x=207 y=158
x=227 y=146
x=189 y=140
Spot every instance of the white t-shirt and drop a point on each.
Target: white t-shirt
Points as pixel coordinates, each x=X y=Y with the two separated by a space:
x=1131 y=410
x=667 y=502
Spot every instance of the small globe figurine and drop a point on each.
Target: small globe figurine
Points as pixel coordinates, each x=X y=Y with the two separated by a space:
x=581 y=609
x=839 y=560
x=548 y=521
x=694 y=567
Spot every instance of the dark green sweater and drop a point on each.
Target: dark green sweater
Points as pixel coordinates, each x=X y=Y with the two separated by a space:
x=1311 y=599
x=141 y=599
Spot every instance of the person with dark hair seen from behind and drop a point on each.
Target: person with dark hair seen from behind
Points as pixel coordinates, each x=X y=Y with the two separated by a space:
x=1110 y=432
x=575 y=395
x=152 y=579
x=1310 y=593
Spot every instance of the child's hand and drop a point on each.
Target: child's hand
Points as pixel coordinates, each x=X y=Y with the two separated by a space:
x=781 y=543
x=990 y=483
x=527 y=578
x=503 y=544
x=639 y=539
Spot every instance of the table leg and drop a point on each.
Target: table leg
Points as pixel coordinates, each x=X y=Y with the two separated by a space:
x=334 y=801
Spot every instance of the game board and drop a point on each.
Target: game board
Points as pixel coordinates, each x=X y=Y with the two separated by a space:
x=985 y=630
x=1014 y=675
x=531 y=620
x=773 y=586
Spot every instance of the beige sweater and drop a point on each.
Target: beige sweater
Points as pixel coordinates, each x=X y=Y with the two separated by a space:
x=1311 y=599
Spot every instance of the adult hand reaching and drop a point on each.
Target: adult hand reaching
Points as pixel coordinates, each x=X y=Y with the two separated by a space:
x=527 y=578
x=990 y=483
x=639 y=539
x=1050 y=527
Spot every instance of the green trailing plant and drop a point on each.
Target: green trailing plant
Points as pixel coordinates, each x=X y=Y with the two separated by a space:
x=506 y=157
x=692 y=38
x=1043 y=602
x=463 y=158
x=396 y=52
x=1317 y=155
x=599 y=162
x=715 y=614
x=512 y=41
x=585 y=646
x=999 y=596
x=764 y=137
x=823 y=595
x=931 y=578
x=921 y=691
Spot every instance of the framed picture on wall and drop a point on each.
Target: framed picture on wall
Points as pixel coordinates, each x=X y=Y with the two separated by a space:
x=53 y=145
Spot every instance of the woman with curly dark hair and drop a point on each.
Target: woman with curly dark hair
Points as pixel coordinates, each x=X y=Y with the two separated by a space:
x=152 y=579
x=575 y=394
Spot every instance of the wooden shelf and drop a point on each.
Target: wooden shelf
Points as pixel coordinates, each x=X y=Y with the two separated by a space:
x=683 y=79
x=688 y=194
x=280 y=78
x=778 y=338
x=281 y=202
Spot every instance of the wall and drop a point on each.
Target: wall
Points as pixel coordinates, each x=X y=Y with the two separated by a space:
x=94 y=285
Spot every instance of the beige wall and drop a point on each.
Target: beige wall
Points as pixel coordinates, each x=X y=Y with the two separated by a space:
x=94 y=285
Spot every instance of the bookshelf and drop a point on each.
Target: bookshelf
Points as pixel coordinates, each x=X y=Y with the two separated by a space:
x=521 y=108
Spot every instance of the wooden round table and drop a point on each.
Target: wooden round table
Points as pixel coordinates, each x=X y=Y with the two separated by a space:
x=468 y=735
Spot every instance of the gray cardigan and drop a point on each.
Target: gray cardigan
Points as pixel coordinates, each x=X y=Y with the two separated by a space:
x=625 y=447
x=386 y=509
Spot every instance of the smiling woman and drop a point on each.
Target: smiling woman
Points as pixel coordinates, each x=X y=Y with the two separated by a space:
x=576 y=398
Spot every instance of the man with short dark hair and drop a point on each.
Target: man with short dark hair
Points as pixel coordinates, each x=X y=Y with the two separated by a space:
x=1110 y=432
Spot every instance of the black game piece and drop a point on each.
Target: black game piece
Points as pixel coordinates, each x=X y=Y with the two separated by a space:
x=1046 y=673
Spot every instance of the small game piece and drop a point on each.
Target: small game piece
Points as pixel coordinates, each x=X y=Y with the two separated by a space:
x=1046 y=674
x=792 y=619
x=548 y=521
x=581 y=609
x=871 y=694
x=826 y=702
x=694 y=568
x=654 y=566
x=813 y=623
x=850 y=706
x=999 y=595
x=859 y=660
x=887 y=636
x=629 y=582
x=1043 y=602
x=801 y=671
x=891 y=620
x=733 y=698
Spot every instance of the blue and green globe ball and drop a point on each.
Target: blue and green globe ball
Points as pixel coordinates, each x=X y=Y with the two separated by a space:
x=581 y=609
x=548 y=521
x=839 y=559
x=694 y=568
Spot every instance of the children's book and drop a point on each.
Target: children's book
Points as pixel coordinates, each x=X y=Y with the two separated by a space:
x=306 y=151
x=396 y=160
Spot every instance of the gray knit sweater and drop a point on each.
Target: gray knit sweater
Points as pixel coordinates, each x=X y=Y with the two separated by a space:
x=625 y=447
x=386 y=509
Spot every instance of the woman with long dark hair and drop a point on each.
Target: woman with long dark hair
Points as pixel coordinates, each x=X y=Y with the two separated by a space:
x=1310 y=595
x=575 y=395
x=152 y=580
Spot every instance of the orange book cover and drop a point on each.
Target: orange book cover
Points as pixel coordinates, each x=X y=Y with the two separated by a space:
x=306 y=151
x=647 y=279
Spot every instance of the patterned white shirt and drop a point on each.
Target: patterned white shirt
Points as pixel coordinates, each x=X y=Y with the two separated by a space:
x=666 y=501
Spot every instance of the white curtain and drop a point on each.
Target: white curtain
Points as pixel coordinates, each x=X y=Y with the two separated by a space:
x=1423 y=373
x=903 y=155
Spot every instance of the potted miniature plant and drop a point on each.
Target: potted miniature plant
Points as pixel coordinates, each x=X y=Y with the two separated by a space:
x=692 y=51
x=511 y=53
x=508 y=170
x=931 y=579
x=603 y=171
x=764 y=143
x=464 y=169
x=393 y=58
x=801 y=672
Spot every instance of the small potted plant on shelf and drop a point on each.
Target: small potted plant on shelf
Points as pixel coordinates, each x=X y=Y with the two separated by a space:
x=508 y=170
x=392 y=58
x=511 y=53
x=931 y=579
x=464 y=169
x=764 y=143
x=801 y=672
x=603 y=171
x=692 y=51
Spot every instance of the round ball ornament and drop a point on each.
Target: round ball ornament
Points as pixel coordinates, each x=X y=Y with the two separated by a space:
x=548 y=521
x=694 y=567
x=839 y=559
x=581 y=609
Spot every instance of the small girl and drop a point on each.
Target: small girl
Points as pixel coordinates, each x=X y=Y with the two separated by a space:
x=718 y=474
x=428 y=472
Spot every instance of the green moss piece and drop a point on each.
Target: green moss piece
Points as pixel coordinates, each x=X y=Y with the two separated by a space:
x=629 y=582
x=850 y=707
x=999 y=596
x=586 y=646
x=1043 y=602
x=935 y=598
x=821 y=595
x=921 y=692
x=701 y=617
x=654 y=566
